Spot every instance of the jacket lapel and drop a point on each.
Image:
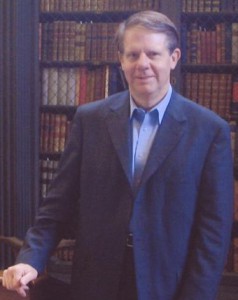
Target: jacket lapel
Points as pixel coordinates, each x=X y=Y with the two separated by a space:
x=169 y=133
x=118 y=123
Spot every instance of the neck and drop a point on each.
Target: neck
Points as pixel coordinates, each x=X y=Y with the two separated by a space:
x=147 y=102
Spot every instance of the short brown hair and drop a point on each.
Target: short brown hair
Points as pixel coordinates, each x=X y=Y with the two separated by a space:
x=153 y=21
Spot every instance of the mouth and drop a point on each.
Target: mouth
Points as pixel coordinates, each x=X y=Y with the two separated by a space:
x=144 y=77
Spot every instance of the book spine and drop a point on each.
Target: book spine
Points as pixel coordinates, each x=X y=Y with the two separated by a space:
x=215 y=93
x=66 y=40
x=83 y=85
x=228 y=43
x=234 y=47
x=72 y=34
x=44 y=86
x=63 y=132
x=53 y=86
x=201 y=5
x=193 y=42
x=62 y=86
x=45 y=132
x=80 y=41
x=216 y=6
x=56 y=137
x=207 y=90
x=235 y=90
x=55 y=42
x=51 y=133
x=71 y=87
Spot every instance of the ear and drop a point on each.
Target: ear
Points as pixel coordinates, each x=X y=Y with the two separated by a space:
x=120 y=58
x=119 y=55
x=175 y=57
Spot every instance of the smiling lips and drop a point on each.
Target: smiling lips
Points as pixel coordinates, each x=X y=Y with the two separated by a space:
x=143 y=77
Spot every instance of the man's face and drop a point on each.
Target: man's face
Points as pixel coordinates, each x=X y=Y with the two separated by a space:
x=147 y=62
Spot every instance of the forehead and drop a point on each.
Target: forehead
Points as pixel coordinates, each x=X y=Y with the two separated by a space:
x=138 y=37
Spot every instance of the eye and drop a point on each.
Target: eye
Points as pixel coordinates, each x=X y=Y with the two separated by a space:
x=132 y=55
x=153 y=54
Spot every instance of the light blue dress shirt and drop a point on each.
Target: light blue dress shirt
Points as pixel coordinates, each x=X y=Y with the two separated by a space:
x=144 y=127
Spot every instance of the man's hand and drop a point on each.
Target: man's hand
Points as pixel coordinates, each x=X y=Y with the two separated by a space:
x=17 y=278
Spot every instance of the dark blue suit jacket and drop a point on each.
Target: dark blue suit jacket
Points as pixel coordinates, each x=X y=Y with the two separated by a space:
x=181 y=214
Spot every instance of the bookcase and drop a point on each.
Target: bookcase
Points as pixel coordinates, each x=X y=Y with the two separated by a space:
x=75 y=53
x=209 y=69
x=78 y=64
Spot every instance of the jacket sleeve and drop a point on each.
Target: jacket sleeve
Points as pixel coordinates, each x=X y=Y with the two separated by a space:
x=212 y=227
x=57 y=209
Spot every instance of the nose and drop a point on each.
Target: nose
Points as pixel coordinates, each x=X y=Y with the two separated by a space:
x=143 y=60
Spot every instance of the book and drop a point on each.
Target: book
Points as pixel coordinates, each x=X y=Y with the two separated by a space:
x=47 y=171
x=207 y=5
x=207 y=92
x=215 y=92
x=83 y=85
x=224 y=94
x=201 y=5
x=71 y=40
x=44 y=41
x=44 y=86
x=80 y=41
x=64 y=123
x=71 y=87
x=193 y=36
x=56 y=136
x=55 y=42
x=234 y=46
x=62 y=86
x=187 y=5
x=45 y=132
x=235 y=90
x=51 y=133
x=220 y=43
x=228 y=43
x=53 y=86
x=61 y=41
x=216 y=6
x=195 y=87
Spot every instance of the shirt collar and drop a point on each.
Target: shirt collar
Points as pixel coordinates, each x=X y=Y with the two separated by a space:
x=160 y=107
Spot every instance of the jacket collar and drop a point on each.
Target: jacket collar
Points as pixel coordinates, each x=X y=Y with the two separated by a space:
x=167 y=137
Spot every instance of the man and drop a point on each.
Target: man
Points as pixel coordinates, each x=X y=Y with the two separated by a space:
x=148 y=174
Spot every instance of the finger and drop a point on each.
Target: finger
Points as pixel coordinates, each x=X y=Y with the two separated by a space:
x=11 y=278
x=28 y=277
x=22 y=291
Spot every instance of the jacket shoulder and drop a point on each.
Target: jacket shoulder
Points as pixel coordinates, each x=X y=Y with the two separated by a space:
x=196 y=112
x=112 y=100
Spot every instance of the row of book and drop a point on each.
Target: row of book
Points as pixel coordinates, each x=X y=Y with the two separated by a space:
x=54 y=131
x=96 y=5
x=218 y=45
x=209 y=5
x=47 y=169
x=75 y=86
x=77 y=41
x=212 y=90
